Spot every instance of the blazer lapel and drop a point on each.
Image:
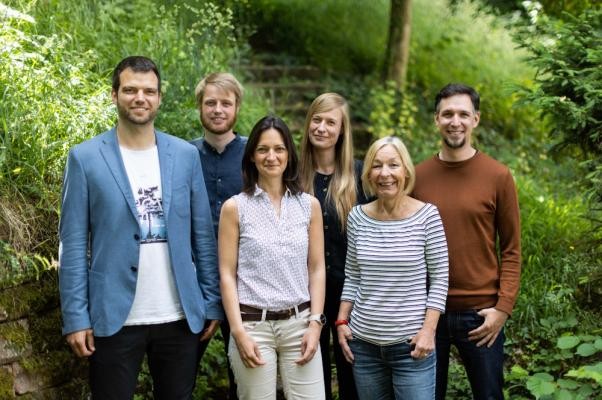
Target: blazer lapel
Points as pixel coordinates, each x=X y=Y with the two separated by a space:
x=112 y=156
x=166 y=164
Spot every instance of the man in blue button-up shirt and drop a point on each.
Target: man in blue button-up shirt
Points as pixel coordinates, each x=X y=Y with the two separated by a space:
x=218 y=98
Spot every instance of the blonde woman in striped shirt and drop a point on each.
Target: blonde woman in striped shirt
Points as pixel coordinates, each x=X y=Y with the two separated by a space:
x=396 y=277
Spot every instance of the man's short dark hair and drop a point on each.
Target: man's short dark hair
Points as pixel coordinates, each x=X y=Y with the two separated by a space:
x=137 y=64
x=452 y=89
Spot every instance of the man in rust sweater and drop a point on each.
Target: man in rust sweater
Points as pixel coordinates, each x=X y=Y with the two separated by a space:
x=477 y=200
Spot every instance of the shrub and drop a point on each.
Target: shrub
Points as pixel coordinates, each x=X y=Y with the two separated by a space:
x=568 y=93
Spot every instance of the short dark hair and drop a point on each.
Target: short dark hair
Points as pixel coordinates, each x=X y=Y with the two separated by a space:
x=137 y=64
x=452 y=89
x=250 y=175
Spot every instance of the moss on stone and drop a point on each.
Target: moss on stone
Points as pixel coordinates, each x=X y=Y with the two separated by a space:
x=45 y=332
x=6 y=384
x=34 y=323
x=16 y=335
x=35 y=296
x=77 y=389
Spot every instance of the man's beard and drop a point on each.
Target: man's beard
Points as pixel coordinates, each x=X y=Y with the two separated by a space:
x=124 y=113
x=207 y=124
x=454 y=145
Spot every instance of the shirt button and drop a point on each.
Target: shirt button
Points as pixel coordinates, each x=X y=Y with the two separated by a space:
x=324 y=190
x=327 y=267
x=325 y=226
x=328 y=253
x=219 y=179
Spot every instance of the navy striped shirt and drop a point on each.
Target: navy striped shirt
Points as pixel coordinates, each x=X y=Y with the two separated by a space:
x=386 y=272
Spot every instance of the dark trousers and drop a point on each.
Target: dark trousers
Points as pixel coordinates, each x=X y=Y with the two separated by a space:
x=173 y=357
x=225 y=328
x=484 y=365
x=347 y=389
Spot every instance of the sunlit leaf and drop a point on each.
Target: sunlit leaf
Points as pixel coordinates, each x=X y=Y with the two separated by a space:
x=567 y=342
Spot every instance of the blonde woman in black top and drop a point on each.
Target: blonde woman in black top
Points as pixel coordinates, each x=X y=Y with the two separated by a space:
x=330 y=173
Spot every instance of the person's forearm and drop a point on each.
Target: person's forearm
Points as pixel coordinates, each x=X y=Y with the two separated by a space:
x=317 y=288
x=431 y=319
x=345 y=310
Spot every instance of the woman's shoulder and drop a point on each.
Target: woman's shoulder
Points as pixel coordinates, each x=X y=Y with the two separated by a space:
x=428 y=210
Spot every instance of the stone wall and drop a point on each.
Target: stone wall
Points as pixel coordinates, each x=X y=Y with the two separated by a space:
x=35 y=361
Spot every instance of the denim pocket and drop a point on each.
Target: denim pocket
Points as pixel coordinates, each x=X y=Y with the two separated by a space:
x=472 y=320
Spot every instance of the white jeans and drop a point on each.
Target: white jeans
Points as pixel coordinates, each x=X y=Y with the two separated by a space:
x=280 y=345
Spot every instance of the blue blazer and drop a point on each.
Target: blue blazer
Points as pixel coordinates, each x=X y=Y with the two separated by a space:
x=100 y=236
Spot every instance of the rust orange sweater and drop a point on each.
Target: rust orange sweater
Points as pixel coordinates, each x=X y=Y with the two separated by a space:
x=478 y=204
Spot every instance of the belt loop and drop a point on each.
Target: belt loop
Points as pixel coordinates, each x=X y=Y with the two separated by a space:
x=296 y=311
x=263 y=314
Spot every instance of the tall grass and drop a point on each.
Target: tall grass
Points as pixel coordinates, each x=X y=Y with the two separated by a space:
x=56 y=59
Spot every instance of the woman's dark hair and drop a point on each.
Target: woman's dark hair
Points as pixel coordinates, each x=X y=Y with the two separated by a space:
x=137 y=64
x=250 y=175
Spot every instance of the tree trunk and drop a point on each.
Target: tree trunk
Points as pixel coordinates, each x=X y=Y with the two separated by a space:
x=398 y=46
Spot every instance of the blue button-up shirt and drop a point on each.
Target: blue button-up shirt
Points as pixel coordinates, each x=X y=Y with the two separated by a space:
x=222 y=172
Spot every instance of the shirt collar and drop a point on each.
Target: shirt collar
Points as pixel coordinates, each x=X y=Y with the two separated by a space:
x=259 y=191
x=230 y=144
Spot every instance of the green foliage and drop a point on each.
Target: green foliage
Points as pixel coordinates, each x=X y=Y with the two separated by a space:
x=55 y=89
x=555 y=253
x=392 y=112
x=568 y=93
x=583 y=381
x=466 y=44
x=569 y=78
x=321 y=32
x=49 y=98
x=17 y=266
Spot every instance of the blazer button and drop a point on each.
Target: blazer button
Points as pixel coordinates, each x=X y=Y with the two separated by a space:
x=136 y=236
x=134 y=268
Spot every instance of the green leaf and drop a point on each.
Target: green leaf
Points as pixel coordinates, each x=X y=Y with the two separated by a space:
x=567 y=384
x=586 y=349
x=598 y=343
x=542 y=376
x=567 y=342
x=588 y=372
x=541 y=384
x=518 y=372
x=563 y=394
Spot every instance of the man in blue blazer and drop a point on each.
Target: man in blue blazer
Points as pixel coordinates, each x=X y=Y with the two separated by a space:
x=138 y=271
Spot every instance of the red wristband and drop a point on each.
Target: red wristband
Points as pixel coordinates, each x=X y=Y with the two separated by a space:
x=341 y=322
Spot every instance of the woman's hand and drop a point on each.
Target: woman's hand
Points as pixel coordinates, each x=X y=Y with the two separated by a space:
x=344 y=334
x=248 y=350
x=424 y=342
x=310 y=343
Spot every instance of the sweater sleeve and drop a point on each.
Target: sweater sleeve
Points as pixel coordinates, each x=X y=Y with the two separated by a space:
x=352 y=272
x=436 y=261
x=508 y=225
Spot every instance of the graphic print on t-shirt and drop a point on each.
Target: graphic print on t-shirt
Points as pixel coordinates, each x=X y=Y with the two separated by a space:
x=150 y=215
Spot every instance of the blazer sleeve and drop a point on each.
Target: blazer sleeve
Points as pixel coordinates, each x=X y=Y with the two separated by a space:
x=73 y=248
x=204 y=247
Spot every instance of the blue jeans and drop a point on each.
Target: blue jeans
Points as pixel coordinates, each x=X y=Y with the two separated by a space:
x=389 y=372
x=484 y=365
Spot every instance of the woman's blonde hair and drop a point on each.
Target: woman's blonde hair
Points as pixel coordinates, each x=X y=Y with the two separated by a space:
x=342 y=186
x=406 y=161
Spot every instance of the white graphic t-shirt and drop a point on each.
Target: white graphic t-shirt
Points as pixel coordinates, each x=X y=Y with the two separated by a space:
x=156 y=300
